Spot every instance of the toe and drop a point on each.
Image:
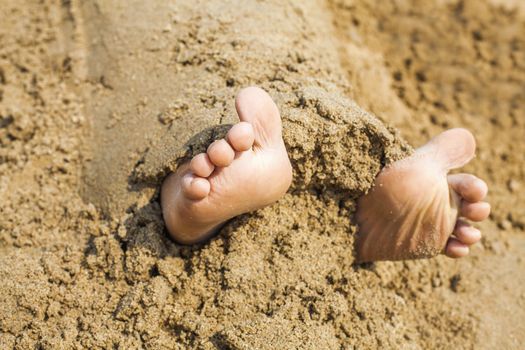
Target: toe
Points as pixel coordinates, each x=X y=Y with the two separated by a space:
x=195 y=187
x=478 y=211
x=467 y=234
x=201 y=165
x=452 y=148
x=455 y=249
x=468 y=186
x=220 y=153
x=256 y=107
x=241 y=136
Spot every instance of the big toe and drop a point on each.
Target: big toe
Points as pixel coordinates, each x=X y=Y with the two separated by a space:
x=256 y=107
x=452 y=148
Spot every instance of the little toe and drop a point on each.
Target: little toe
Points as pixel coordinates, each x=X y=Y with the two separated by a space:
x=220 y=153
x=241 y=136
x=201 y=165
x=468 y=186
x=478 y=211
x=455 y=249
x=467 y=234
x=195 y=187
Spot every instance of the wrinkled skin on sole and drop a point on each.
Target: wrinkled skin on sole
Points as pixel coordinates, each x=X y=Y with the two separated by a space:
x=413 y=209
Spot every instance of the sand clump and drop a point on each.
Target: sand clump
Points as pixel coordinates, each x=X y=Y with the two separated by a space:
x=90 y=123
x=443 y=66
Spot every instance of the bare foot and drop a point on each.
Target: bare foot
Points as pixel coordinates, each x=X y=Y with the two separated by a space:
x=412 y=211
x=246 y=171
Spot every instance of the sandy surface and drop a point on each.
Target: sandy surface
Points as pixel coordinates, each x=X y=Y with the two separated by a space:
x=99 y=99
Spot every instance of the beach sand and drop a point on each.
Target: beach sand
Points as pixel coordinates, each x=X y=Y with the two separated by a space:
x=100 y=100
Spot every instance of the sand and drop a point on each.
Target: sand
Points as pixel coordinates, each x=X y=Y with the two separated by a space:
x=99 y=100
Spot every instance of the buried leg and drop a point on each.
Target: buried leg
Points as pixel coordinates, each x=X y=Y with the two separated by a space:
x=412 y=211
x=247 y=170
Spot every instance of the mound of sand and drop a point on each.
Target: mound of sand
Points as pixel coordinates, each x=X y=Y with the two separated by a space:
x=98 y=101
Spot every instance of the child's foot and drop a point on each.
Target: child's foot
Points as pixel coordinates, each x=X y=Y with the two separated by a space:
x=247 y=170
x=412 y=210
